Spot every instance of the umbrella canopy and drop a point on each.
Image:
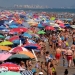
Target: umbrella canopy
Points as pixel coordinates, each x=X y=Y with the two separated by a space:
x=41 y=32
x=10 y=73
x=73 y=26
x=19 y=56
x=27 y=35
x=11 y=66
x=4 y=56
x=30 y=46
x=52 y=18
x=40 y=26
x=14 y=38
x=18 y=49
x=50 y=28
x=6 y=43
x=19 y=30
x=28 y=53
x=6 y=48
x=2 y=37
x=13 y=26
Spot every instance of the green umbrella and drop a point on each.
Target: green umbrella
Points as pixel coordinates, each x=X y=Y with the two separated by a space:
x=2 y=37
x=20 y=56
x=6 y=43
x=41 y=32
x=52 y=18
x=10 y=73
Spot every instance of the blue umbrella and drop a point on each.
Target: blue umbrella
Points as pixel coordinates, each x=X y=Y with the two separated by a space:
x=31 y=47
x=27 y=35
x=40 y=26
x=67 y=25
x=31 y=41
x=13 y=26
x=16 y=41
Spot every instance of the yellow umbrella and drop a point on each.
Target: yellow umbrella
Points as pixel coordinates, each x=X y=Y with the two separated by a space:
x=6 y=48
x=6 y=43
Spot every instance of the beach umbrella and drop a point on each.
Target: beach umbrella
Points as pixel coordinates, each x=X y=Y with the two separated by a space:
x=18 y=49
x=14 y=38
x=73 y=26
x=13 y=26
x=27 y=35
x=59 y=22
x=40 y=26
x=6 y=43
x=52 y=18
x=16 y=42
x=27 y=53
x=41 y=32
x=50 y=28
x=67 y=25
x=62 y=25
x=11 y=66
x=19 y=29
x=4 y=56
x=19 y=56
x=2 y=37
x=31 y=41
x=5 y=48
x=10 y=73
x=30 y=46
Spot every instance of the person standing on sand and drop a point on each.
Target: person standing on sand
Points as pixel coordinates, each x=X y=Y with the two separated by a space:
x=58 y=54
x=69 y=55
x=74 y=58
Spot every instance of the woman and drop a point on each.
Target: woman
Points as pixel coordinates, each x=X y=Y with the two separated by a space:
x=51 y=68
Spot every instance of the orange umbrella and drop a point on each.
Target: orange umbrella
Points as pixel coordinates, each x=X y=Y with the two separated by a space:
x=28 y=53
x=6 y=48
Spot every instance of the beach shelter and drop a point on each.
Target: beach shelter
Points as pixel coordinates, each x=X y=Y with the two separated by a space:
x=5 y=48
x=28 y=53
x=4 y=56
x=10 y=73
x=41 y=32
x=6 y=43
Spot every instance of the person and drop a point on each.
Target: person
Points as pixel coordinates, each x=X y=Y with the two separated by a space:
x=51 y=68
x=47 y=57
x=69 y=54
x=74 y=58
x=22 y=64
x=40 y=73
x=35 y=73
x=58 y=54
x=66 y=72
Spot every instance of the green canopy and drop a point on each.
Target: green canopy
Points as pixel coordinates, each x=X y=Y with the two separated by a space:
x=10 y=73
x=20 y=56
x=41 y=32
x=6 y=43
x=52 y=18
x=2 y=37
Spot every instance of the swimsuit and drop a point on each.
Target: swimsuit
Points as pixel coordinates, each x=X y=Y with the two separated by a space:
x=58 y=55
x=69 y=57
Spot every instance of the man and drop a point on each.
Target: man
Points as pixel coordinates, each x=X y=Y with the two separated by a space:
x=58 y=54
x=69 y=55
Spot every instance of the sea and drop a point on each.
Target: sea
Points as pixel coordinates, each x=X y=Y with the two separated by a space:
x=51 y=10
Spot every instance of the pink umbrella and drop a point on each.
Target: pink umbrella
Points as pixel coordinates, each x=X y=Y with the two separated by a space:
x=59 y=21
x=4 y=56
x=62 y=25
x=18 y=49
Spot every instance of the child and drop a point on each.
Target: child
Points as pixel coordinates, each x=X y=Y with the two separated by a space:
x=66 y=72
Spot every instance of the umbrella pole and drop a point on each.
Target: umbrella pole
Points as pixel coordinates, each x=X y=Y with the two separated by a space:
x=34 y=55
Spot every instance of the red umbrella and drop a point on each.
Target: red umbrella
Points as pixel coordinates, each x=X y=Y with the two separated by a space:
x=14 y=38
x=50 y=28
x=11 y=66
x=18 y=30
x=18 y=49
